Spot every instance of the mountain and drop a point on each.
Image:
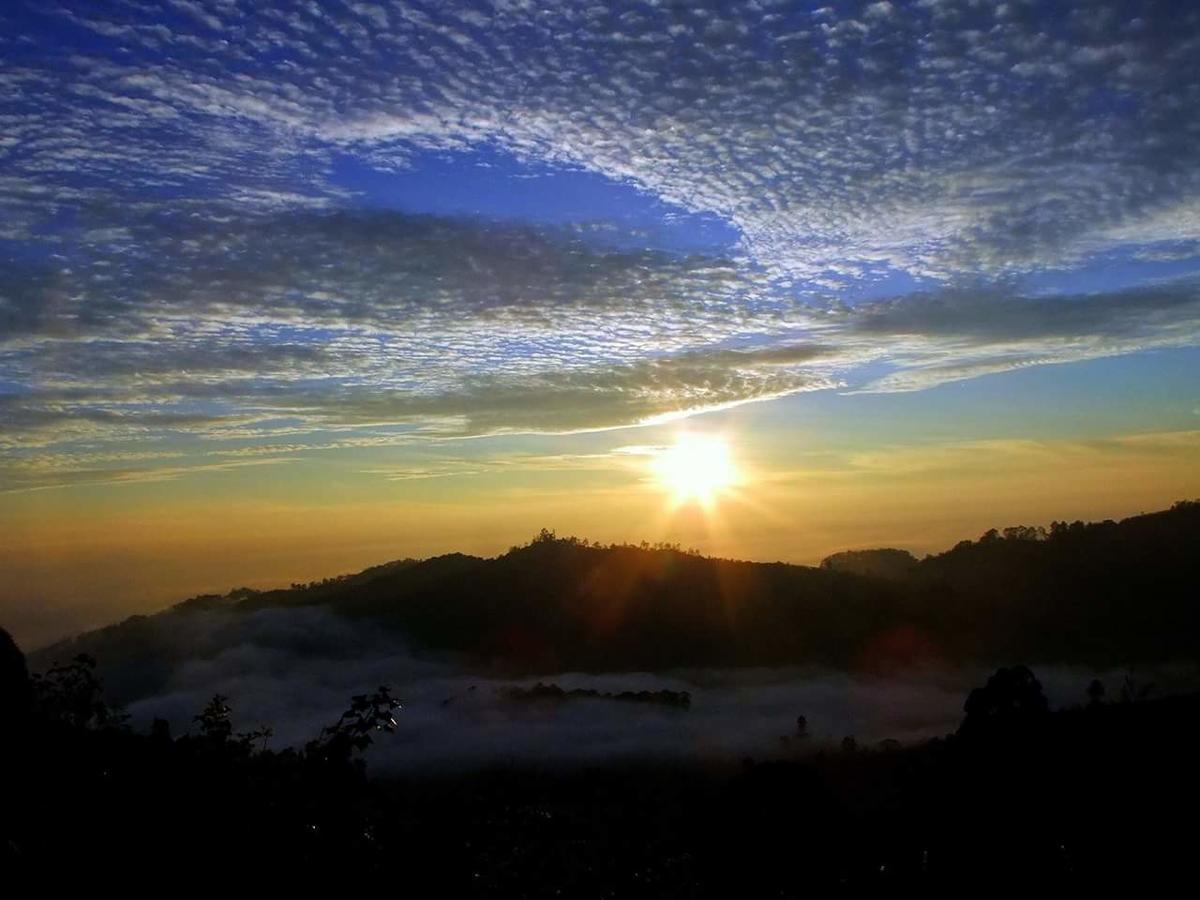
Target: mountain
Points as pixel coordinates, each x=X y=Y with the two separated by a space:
x=1108 y=593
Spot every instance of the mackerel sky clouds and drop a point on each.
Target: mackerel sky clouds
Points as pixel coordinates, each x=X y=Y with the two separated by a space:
x=242 y=227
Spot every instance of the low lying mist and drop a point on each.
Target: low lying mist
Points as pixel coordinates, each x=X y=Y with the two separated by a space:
x=295 y=670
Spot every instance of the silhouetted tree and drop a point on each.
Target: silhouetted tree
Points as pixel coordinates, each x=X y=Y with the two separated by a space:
x=214 y=722
x=216 y=729
x=16 y=690
x=1025 y=533
x=74 y=695
x=353 y=732
x=1012 y=697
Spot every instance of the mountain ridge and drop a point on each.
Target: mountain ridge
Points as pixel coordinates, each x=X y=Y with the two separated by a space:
x=1113 y=593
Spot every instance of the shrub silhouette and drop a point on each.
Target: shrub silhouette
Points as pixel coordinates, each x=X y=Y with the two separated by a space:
x=73 y=694
x=355 y=730
x=214 y=802
x=1012 y=698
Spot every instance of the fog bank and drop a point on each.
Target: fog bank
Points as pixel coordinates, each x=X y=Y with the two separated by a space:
x=295 y=670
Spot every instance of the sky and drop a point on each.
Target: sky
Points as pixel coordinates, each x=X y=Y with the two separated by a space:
x=290 y=289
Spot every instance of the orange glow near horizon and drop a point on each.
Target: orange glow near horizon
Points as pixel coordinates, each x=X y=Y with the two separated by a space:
x=85 y=556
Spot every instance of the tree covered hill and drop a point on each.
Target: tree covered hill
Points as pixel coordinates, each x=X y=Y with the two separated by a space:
x=1109 y=594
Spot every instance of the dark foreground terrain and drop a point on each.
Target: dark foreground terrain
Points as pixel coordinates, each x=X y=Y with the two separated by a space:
x=1019 y=798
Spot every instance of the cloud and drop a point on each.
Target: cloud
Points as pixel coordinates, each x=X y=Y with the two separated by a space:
x=81 y=469
x=184 y=256
x=299 y=322
x=994 y=315
x=934 y=138
x=379 y=324
x=955 y=334
x=382 y=270
x=1012 y=456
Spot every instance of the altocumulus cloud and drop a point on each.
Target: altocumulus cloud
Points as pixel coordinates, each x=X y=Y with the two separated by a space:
x=928 y=134
x=181 y=256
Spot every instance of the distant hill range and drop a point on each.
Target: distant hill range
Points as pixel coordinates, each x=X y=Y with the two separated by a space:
x=1104 y=594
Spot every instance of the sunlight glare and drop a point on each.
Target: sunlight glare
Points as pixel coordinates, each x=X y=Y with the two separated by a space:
x=697 y=468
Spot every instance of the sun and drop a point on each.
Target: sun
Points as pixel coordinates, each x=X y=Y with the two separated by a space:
x=697 y=468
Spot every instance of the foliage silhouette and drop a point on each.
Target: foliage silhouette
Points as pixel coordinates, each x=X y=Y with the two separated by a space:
x=354 y=731
x=183 y=802
x=1034 y=804
x=1012 y=698
x=216 y=729
x=72 y=693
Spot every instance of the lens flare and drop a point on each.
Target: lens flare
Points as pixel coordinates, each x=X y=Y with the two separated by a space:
x=698 y=468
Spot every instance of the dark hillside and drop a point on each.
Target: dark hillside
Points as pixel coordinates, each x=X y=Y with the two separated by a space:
x=1101 y=592
x=1105 y=594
